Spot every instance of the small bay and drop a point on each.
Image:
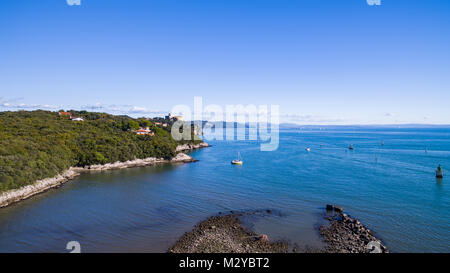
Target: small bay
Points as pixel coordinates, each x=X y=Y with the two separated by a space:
x=391 y=188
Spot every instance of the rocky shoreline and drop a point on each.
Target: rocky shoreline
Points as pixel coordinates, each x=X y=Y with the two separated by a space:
x=225 y=234
x=16 y=195
x=344 y=234
x=190 y=147
x=179 y=158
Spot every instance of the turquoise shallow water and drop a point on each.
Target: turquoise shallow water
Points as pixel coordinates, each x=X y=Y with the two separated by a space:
x=390 y=188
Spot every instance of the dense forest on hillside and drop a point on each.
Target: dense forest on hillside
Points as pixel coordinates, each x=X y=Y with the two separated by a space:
x=40 y=144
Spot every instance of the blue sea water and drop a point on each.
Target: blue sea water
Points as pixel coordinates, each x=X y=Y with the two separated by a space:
x=391 y=188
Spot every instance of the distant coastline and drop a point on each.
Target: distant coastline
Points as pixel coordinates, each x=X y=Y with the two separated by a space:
x=16 y=195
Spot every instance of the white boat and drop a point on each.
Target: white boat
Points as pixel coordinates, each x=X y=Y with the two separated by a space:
x=237 y=161
x=308 y=149
x=351 y=147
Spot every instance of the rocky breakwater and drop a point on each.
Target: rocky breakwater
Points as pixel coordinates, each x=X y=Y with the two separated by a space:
x=225 y=234
x=189 y=147
x=343 y=234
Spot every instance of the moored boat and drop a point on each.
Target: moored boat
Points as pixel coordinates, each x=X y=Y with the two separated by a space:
x=237 y=161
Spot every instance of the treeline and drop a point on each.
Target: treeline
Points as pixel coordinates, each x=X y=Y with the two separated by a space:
x=40 y=144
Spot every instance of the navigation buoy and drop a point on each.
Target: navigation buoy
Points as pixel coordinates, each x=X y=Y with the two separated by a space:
x=439 y=172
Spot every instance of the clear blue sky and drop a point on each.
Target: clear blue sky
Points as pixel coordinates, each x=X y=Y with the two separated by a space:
x=322 y=61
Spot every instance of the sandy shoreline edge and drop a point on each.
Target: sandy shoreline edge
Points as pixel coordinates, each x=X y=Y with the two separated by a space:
x=13 y=196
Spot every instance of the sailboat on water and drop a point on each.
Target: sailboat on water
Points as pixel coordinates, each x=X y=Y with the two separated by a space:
x=238 y=161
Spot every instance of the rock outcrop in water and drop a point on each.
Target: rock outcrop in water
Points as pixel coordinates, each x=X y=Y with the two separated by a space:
x=13 y=196
x=225 y=234
x=347 y=235
x=182 y=158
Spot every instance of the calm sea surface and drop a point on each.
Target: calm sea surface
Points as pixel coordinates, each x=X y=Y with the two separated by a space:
x=391 y=188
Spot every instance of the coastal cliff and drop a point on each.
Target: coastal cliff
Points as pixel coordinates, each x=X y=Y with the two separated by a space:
x=9 y=197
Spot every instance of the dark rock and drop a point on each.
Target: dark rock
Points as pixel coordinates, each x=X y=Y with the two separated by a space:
x=227 y=236
x=329 y=207
x=263 y=238
x=338 y=209
x=347 y=235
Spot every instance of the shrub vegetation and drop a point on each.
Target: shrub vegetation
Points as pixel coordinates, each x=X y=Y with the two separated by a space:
x=39 y=144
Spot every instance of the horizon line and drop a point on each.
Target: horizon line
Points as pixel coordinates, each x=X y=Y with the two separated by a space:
x=281 y=123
